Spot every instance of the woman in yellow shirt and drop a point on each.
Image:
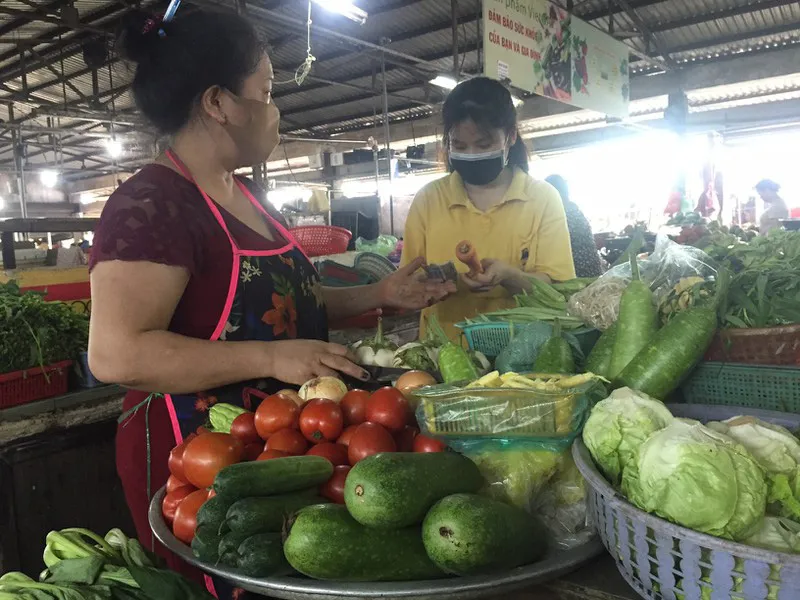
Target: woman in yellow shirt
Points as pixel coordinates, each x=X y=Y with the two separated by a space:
x=516 y=223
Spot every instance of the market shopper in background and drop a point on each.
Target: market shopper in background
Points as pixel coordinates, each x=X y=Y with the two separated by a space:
x=199 y=292
x=775 y=206
x=584 y=250
x=516 y=223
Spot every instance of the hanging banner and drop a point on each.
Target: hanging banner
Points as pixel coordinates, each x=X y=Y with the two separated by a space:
x=540 y=48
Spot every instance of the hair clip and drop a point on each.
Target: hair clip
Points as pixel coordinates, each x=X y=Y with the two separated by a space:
x=149 y=25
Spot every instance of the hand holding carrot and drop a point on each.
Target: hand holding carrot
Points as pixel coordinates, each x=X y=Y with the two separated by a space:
x=466 y=253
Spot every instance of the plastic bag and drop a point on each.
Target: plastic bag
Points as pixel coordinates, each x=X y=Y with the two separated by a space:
x=598 y=304
x=522 y=350
x=383 y=245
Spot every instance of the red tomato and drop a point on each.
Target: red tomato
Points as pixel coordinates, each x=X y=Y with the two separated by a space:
x=270 y=454
x=173 y=483
x=333 y=489
x=207 y=454
x=405 y=439
x=388 y=407
x=423 y=443
x=347 y=435
x=321 y=421
x=369 y=439
x=253 y=451
x=289 y=441
x=172 y=500
x=175 y=463
x=336 y=453
x=275 y=413
x=244 y=428
x=354 y=407
x=185 y=521
x=201 y=430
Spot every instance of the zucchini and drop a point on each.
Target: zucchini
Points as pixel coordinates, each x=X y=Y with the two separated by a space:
x=271 y=477
x=205 y=544
x=213 y=512
x=325 y=542
x=555 y=355
x=228 y=548
x=262 y=555
x=599 y=359
x=268 y=513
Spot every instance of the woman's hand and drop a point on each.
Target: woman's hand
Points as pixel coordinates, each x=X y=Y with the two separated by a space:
x=408 y=288
x=297 y=361
x=495 y=273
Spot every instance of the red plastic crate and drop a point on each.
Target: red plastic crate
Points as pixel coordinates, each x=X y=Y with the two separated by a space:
x=21 y=387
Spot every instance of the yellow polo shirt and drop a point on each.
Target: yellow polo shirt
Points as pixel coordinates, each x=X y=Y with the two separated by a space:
x=528 y=230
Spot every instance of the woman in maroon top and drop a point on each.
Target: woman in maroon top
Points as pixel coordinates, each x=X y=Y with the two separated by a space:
x=199 y=292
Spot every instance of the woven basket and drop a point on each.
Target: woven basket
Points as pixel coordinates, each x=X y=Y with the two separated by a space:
x=769 y=346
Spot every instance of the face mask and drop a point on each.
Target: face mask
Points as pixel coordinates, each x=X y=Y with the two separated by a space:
x=258 y=136
x=479 y=169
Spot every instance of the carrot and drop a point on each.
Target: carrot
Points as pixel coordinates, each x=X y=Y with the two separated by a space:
x=466 y=253
x=637 y=322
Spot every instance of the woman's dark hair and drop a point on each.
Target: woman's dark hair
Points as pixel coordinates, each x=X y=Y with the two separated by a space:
x=561 y=185
x=488 y=104
x=767 y=185
x=177 y=61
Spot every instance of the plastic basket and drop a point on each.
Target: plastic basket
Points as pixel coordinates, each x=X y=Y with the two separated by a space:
x=770 y=346
x=768 y=388
x=491 y=338
x=661 y=560
x=322 y=240
x=374 y=265
x=332 y=274
x=21 y=387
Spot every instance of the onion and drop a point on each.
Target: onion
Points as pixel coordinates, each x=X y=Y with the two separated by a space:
x=408 y=382
x=328 y=388
x=292 y=395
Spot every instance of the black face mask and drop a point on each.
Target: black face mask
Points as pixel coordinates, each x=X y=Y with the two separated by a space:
x=478 y=169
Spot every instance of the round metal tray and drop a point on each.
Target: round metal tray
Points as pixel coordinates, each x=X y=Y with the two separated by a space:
x=461 y=588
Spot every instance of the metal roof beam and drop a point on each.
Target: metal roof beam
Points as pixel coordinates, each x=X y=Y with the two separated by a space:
x=737 y=37
x=604 y=13
x=724 y=13
x=15 y=24
x=647 y=35
x=35 y=15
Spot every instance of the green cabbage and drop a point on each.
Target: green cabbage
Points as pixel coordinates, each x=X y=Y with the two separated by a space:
x=618 y=425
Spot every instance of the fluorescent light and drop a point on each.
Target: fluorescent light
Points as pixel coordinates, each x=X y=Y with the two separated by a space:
x=49 y=178
x=114 y=147
x=2 y=203
x=443 y=81
x=346 y=8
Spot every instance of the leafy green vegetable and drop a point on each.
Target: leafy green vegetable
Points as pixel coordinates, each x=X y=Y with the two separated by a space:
x=779 y=535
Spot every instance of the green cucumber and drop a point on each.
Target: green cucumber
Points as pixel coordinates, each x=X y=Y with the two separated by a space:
x=325 y=542
x=228 y=548
x=599 y=359
x=213 y=512
x=271 y=477
x=268 y=513
x=466 y=534
x=205 y=544
x=262 y=555
x=396 y=489
x=555 y=355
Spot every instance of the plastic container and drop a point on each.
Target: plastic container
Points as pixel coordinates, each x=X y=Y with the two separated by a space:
x=374 y=265
x=661 y=560
x=21 y=387
x=767 y=388
x=333 y=274
x=322 y=240
x=492 y=338
x=770 y=346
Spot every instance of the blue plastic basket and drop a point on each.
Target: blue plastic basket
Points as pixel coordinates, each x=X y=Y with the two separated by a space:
x=492 y=337
x=661 y=560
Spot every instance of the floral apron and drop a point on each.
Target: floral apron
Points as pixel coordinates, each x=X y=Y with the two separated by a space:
x=273 y=295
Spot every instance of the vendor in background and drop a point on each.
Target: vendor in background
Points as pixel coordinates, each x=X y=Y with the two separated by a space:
x=584 y=250
x=516 y=223
x=199 y=292
x=775 y=206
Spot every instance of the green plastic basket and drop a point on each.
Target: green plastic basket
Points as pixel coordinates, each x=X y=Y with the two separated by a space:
x=491 y=338
x=753 y=386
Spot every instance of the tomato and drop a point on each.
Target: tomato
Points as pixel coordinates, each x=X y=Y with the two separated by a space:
x=293 y=396
x=244 y=428
x=347 y=435
x=276 y=412
x=423 y=443
x=253 y=451
x=369 y=439
x=333 y=489
x=336 y=453
x=354 y=407
x=270 y=454
x=405 y=439
x=172 y=500
x=388 y=407
x=173 y=483
x=175 y=463
x=289 y=441
x=207 y=454
x=321 y=421
x=201 y=430
x=185 y=521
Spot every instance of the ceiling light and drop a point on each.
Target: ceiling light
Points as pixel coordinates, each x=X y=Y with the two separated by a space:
x=443 y=81
x=114 y=147
x=2 y=203
x=49 y=178
x=346 y=8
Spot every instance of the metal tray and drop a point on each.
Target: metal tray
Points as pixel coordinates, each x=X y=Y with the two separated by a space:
x=461 y=588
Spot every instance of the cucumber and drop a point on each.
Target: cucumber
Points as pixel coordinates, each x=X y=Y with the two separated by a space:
x=599 y=359
x=325 y=542
x=271 y=477
x=228 y=548
x=261 y=555
x=555 y=355
x=268 y=513
x=205 y=544
x=466 y=534
x=394 y=490
x=213 y=512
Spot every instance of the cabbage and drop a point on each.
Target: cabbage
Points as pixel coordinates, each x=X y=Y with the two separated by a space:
x=778 y=535
x=698 y=478
x=618 y=425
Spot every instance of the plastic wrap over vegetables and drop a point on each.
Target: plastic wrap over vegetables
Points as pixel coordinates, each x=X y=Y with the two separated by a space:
x=562 y=505
x=526 y=341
